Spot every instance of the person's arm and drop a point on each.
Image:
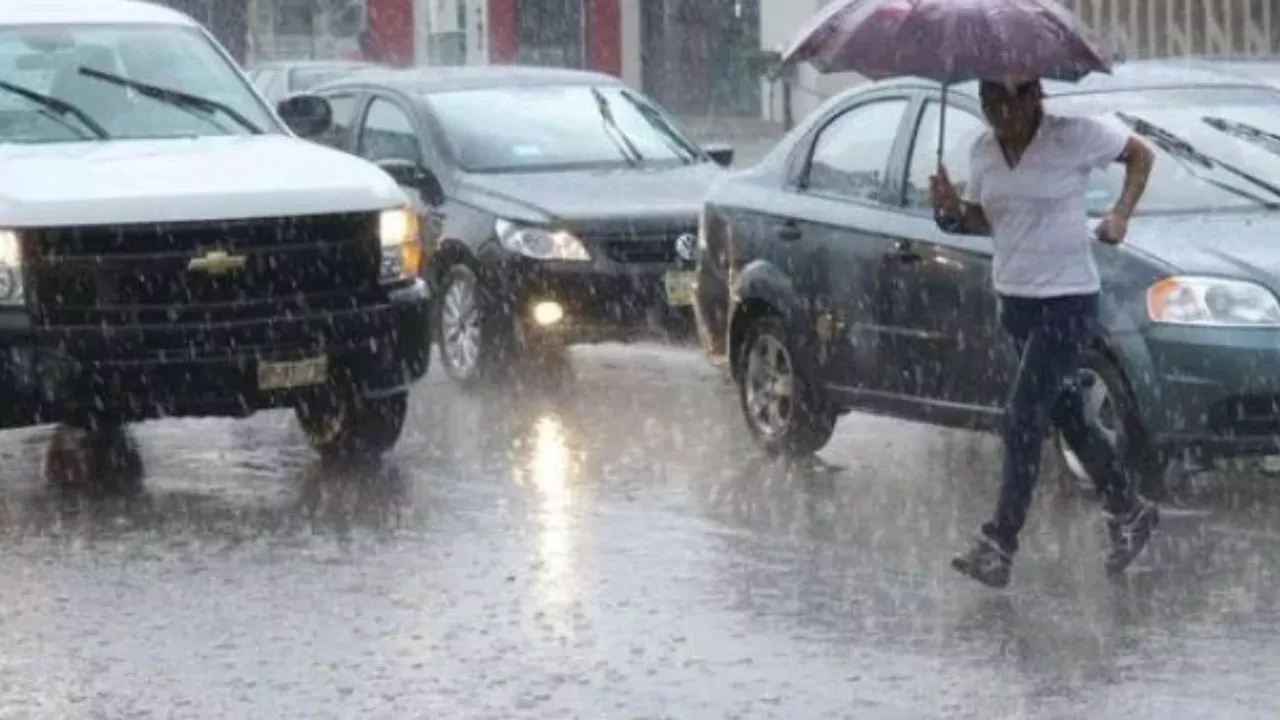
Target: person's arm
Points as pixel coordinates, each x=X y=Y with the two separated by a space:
x=964 y=215
x=1137 y=159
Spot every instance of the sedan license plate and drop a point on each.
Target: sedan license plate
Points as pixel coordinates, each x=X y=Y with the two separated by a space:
x=292 y=374
x=679 y=284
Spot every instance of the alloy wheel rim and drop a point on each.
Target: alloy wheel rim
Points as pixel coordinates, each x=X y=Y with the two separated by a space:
x=460 y=327
x=1099 y=410
x=770 y=385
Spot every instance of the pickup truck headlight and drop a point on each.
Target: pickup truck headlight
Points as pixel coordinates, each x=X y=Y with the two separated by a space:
x=398 y=234
x=540 y=243
x=1212 y=301
x=11 y=290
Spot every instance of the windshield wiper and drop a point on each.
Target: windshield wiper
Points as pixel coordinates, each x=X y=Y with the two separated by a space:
x=202 y=107
x=1269 y=140
x=628 y=149
x=668 y=134
x=57 y=109
x=1188 y=156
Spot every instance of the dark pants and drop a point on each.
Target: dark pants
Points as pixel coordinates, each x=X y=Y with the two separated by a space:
x=1051 y=336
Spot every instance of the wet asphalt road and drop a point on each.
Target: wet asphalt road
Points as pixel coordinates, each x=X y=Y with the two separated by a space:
x=612 y=548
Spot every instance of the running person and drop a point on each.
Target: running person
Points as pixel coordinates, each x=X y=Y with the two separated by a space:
x=1027 y=190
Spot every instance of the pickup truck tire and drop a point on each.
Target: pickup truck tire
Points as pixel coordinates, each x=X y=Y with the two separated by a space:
x=347 y=426
x=473 y=344
x=779 y=397
x=93 y=458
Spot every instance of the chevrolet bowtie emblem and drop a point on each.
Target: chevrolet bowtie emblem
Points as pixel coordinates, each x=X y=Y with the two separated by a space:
x=217 y=262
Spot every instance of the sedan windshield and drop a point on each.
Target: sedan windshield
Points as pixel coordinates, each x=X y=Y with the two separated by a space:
x=1217 y=150
x=527 y=129
x=89 y=82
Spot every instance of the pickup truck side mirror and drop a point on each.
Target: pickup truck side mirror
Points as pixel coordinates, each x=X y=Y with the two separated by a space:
x=307 y=115
x=721 y=153
x=412 y=174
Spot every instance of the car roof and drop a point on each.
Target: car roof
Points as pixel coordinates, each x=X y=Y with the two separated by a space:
x=316 y=64
x=70 y=12
x=440 y=79
x=1132 y=76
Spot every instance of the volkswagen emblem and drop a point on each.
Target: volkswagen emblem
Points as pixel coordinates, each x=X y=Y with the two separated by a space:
x=687 y=247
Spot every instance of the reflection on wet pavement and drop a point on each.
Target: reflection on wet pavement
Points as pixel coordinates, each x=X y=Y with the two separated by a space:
x=609 y=547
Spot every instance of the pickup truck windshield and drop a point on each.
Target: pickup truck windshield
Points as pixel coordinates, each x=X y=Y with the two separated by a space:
x=49 y=61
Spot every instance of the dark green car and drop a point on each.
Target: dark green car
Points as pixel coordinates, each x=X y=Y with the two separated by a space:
x=825 y=282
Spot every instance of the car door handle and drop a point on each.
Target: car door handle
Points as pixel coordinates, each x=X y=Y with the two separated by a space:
x=905 y=252
x=789 y=230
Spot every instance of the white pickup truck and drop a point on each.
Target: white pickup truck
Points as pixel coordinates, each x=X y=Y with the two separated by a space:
x=169 y=246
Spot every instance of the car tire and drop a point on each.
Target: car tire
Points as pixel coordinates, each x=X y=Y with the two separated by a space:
x=345 y=426
x=93 y=458
x=473 y=346
x=1109 y=401
x=797 y=425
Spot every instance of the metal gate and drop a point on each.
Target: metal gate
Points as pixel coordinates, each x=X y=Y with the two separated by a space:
x=696 y=55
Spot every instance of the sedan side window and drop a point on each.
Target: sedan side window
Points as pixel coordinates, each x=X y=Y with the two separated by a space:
x=388 y=133
x=962 y=129
x=851 y=154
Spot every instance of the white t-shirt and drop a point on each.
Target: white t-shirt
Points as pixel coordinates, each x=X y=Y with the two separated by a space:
x=1036 y=210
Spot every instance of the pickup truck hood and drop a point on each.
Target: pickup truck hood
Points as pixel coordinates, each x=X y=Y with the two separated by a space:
x=1234 y=244
x=593 y=195
x=209 y=178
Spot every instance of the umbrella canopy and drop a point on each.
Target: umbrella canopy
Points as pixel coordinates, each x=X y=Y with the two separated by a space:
x=950 y=40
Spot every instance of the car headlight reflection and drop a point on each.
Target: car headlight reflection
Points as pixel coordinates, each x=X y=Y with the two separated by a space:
x=399 y=236
x=540 y=243
x=1184 y=300
x=11 y=290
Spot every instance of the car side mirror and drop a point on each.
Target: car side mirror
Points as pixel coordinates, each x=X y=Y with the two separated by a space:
x=412 y=174
x=721 y=153
x=307 y=115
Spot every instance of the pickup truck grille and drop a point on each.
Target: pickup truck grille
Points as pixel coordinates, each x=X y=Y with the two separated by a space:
x=132 y=275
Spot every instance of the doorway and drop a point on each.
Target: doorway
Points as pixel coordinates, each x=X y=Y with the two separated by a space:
x=551 y=33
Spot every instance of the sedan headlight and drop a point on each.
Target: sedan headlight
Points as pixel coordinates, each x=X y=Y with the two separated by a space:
x=398 y=234
x=11 y=290
x=540 y=243
x=1191 y=300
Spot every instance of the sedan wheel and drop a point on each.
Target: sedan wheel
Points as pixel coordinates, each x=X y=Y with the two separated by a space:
x=461 y=326
x=779 y=401
x=770 y=384
x=1099 y=410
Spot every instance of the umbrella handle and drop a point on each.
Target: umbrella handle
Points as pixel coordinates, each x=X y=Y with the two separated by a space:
x=942 y=123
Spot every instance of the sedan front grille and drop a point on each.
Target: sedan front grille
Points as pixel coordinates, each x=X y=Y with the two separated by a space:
x=642 y=248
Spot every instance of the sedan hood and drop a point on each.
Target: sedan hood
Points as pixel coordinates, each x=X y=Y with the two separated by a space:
x=1243 y=244
x=211 y=178
x=590 y=196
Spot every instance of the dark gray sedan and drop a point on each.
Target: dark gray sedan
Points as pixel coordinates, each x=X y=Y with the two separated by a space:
x=825 y=281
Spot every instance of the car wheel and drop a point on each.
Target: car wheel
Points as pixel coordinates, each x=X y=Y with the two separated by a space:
x=471 y=347
x=1110 y=405
x=346 y=426
x=778 y=397
x=93 y=458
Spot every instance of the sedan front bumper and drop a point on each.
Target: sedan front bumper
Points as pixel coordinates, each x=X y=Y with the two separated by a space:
x=1212 y=389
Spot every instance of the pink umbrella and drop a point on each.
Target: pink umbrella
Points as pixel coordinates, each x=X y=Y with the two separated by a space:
x=950 y=41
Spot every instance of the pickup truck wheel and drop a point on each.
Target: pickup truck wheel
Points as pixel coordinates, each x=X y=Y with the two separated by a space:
x=1110 y=405
x=471 y=345
x=347 y=426
x=93 y=458
x=779 y=399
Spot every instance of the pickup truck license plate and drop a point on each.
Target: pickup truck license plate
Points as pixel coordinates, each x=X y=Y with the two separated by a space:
x=292 y=374
x=679 y=284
